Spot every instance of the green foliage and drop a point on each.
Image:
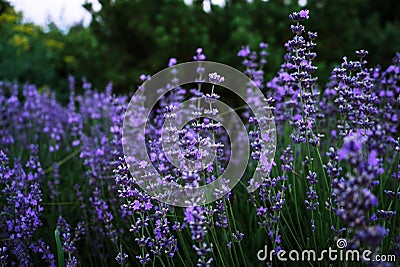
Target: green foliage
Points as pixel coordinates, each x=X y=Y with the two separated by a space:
x=128 y=38
x=139 y=36
x=345 y=26
x=60 y=252
x=27 y=53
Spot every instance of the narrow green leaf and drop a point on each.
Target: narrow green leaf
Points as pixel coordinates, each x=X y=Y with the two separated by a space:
x=60 y=252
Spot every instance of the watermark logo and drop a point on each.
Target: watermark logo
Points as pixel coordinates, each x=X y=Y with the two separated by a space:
x=330 y=254
x=137 y=118
x=341 y=243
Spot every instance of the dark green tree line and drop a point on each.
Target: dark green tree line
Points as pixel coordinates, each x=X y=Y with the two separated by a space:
x=129 y=37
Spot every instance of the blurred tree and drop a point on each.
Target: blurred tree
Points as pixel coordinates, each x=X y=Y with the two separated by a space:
x=346 y=26
x=129 y=37
x=28 y=53
x=140 y=36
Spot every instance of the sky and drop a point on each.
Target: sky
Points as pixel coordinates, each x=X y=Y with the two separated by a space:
x=65 y=13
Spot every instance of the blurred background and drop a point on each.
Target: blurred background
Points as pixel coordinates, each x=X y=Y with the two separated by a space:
x=117 y=40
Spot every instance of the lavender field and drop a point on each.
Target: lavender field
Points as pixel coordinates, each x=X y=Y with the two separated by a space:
x=69 y=197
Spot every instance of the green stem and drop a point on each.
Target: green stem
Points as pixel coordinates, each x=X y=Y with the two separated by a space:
x=181 y=239
x=239 y=243
x=215 y=238
x=62 y=161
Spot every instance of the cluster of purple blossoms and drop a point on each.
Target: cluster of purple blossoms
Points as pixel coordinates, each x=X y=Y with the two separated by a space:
x=294 y=87
x=196 y=220
x=20 y=217
x=254 y=63
x=147 y=216
x=140 y=212
x=42 y=116
x=355 y=98
x=272 y=195
x=365 y=101
x=353 y=193
x=69 y=239
x=388 y=91
x=82 y=128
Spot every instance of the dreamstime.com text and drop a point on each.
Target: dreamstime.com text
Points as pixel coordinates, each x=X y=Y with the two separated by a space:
x=331 y=254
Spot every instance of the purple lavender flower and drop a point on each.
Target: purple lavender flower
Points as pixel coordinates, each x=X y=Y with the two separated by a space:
x=195 y=219
x=295 y=87
x=299 y=16
x=244 y=52
x=199 y=55
x=354 y=196
x=355 y=98
x=172 y=62
x=215 y=78
x=220 y=211
x=194 y=216
x=20 y=217
x=121 y=258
